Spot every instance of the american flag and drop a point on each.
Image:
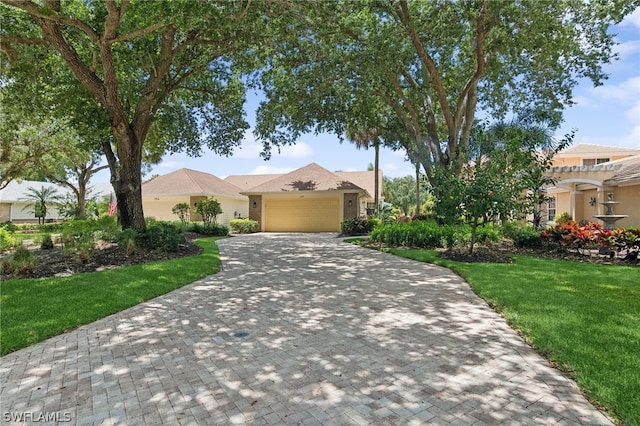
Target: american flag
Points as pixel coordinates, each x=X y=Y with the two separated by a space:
x=113 y=205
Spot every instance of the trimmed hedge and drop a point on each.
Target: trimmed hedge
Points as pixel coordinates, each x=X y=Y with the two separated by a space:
x=428 y=234
x=244 y=226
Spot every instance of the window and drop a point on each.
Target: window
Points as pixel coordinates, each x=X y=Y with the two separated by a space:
x=551 y=212
x=594 y=161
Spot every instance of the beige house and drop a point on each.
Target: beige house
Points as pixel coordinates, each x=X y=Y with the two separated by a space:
x=161 y=194
x=16 y=208
x=586 y=174
x=309 y=199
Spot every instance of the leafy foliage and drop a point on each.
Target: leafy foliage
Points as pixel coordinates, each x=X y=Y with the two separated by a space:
x=356 y=226
x=211 y=229
x=182 y=211
x=244 y=226
x=209 y=210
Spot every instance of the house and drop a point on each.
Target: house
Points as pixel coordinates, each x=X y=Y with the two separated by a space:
x=161 y=194
x=585 y=176
x=309 y=199
x=14 y=207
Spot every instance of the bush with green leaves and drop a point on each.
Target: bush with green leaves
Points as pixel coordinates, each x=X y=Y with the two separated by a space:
x=21 y=262
x=46 y=242
x=424 y=234
x=209 y=210
x=356 y=226
x=162 y=237
x=7 y=240
x=212 y=229
x=244 y=226
x=9 y=226
x=182 y=210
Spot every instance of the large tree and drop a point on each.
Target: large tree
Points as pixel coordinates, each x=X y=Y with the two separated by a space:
x=154 y=72
x=433 y=64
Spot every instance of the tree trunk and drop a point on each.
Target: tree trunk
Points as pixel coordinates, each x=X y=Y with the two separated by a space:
x=417 y=188
x=376 y=168
x=126 y=177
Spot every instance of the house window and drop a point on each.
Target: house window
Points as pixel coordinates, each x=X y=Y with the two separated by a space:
x=594 y=161
x=552 y=209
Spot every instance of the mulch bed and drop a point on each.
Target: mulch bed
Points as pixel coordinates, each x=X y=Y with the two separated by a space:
x=53 y=262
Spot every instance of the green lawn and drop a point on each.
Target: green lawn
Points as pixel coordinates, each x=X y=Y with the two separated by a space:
x=583 y=317
x=32 y=310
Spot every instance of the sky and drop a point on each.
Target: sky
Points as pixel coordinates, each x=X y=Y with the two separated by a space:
x=604 y=115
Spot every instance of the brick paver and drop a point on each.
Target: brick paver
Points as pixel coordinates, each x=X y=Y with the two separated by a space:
x=302 y=330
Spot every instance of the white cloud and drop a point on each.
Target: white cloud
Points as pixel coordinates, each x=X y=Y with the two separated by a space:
x=268 y=170
x=634 y=113
x=628 y=49
x=632 y=19
x=633 y=139
x=299 y=150
x=626 y=91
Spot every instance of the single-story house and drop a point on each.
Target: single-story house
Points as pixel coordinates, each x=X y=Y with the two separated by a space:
x=162 y=193
x=585 y=176
x=14 y=207
x=309 y=199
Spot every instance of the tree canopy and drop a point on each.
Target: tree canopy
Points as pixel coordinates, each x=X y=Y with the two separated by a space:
x=418 y=71
x=157 y=76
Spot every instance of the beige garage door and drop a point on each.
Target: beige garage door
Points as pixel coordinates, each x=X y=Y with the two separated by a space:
x=302 y=215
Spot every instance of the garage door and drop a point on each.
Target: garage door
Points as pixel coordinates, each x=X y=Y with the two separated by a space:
x=302 y=215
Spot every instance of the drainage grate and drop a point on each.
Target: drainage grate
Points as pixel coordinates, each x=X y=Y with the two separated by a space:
x=240 y=334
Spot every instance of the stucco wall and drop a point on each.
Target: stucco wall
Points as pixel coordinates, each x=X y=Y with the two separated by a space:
x=350 y=211
x=255 y=209
x=160 y=208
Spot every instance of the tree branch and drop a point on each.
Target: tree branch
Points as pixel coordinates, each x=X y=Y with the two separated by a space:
x=139 y=33
x=34 y=10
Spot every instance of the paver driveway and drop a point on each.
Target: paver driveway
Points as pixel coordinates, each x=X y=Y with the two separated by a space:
x=297 y=329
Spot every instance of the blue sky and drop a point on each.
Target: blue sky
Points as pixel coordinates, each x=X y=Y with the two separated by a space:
x=606 y=115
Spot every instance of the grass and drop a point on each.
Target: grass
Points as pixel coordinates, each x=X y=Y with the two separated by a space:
x=584 y=317
x=32 y=310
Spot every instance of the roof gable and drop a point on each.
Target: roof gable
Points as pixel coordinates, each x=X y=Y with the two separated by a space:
x=311 y=177
x=190 y=182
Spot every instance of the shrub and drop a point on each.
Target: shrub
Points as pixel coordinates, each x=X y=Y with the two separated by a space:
x=563 y=217
x=422 y=234
x=162 y=236
x=127 y=241
x=6 y=239
x=182 y=211
x=527 y=238
x=214 y=230
x=21 y=262
x=9 y=226
x=244 y=226
x=357 y=226
x=209 y=210
x=47 y=242
x=488 y=233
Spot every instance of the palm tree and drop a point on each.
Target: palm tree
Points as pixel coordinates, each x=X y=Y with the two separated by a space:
x=40 y=198
x=363 y=139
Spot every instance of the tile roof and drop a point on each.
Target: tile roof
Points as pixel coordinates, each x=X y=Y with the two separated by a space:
x=249 y=181
x=592 y=149
x=190 y=182
x=630 y=173
x=311 y=177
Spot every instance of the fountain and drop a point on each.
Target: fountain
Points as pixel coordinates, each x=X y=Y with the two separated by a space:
x=609 y=218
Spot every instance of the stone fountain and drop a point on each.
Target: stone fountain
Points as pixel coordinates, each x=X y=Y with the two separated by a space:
x=609 y=218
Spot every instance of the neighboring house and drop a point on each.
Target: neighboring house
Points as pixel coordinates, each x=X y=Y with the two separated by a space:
x=309 y=199
x=161 y=194
x=586 y=174
x=364 y=180
x=15 y=208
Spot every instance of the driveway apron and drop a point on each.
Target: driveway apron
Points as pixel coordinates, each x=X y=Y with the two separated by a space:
x=296 y=329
